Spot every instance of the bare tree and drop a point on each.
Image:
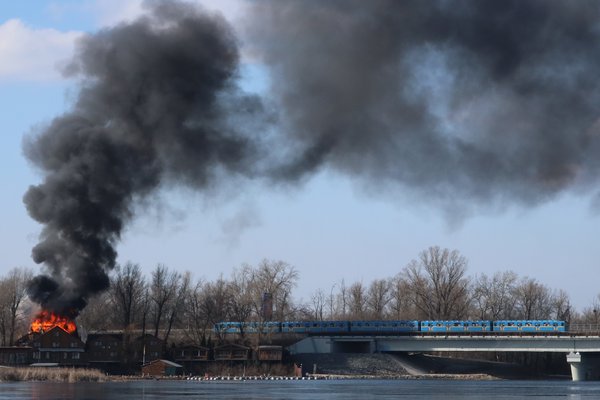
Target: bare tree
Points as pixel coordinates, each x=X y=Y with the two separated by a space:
x=4 y=312
x=378 y=298
x=343 y=299
x=195 y=320
x=357 y=300
x=438 y=280
x=14 y=291
x=163 y=291
x=94 y=316
x=401 y=299
x=178 y=302
x=562 y=306
x=127 y=291
x=494 y=298
x=276 y=278
x=532 y=299
x=213 y=304
x=243 y=300
x=318 y=304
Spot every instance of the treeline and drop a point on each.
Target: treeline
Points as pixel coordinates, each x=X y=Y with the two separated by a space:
x=435 y=285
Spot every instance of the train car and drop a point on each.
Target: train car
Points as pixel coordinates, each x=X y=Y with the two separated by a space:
x=315 y=327
x=252 y=327
x=384 y=327
x=227 y=327
x=294 y=327
x=455 y=326
x=262 y=327
x=529 y=326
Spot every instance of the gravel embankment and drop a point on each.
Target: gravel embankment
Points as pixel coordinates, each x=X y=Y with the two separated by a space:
x=418 y=366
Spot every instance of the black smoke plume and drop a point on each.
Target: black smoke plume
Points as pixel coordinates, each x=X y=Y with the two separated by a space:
x=466 y=103
x=480 y=103
x=154 y=106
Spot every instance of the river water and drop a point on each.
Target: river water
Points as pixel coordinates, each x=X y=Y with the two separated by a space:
x=304 y=390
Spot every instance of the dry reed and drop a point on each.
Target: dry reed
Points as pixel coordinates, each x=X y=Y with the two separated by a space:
x=51 y=374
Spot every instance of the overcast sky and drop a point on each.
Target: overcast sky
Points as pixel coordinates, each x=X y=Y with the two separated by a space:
x=330 y=224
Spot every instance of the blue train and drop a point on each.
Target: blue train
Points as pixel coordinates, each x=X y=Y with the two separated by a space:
x=392 y=327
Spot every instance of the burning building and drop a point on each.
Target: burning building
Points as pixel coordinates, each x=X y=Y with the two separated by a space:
x=54 y=346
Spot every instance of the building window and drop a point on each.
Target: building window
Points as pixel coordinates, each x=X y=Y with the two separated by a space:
x=75 y=356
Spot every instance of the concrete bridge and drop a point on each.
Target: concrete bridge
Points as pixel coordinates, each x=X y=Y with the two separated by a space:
x=583 y=352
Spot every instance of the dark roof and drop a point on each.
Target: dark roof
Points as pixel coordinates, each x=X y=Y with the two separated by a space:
x=167 y=362
x=230 y=345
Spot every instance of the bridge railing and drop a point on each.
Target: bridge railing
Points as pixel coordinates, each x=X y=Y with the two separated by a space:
x=585 y=328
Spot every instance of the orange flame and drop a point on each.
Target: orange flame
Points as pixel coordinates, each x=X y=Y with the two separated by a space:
x=46 y=320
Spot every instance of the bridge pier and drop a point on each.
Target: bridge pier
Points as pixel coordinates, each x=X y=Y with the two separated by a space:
x=584 y=366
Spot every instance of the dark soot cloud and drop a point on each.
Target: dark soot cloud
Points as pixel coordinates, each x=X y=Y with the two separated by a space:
x=465 y=103
x=479 y=103
x=154 y=106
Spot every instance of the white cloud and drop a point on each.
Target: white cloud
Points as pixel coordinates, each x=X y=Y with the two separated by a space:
x=29 y=54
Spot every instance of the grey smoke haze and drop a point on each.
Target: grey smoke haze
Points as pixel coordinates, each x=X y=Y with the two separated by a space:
x=473 y=102
x=154 y=107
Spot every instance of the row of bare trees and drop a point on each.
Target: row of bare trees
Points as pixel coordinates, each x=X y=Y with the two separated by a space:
x=435 y=285
x=168 y=300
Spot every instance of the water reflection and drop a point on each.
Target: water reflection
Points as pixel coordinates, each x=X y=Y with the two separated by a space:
x=50 y=390
x=302 y=390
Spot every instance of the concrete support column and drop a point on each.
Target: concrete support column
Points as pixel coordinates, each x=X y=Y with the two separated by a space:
x=584 y=366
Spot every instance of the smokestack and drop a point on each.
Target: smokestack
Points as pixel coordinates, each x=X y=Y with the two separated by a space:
x=154 y=106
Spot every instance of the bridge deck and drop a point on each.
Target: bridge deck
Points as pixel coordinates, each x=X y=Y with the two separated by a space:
x=337 y=344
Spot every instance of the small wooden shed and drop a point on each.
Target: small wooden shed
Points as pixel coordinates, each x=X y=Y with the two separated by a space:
x=162 y=368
